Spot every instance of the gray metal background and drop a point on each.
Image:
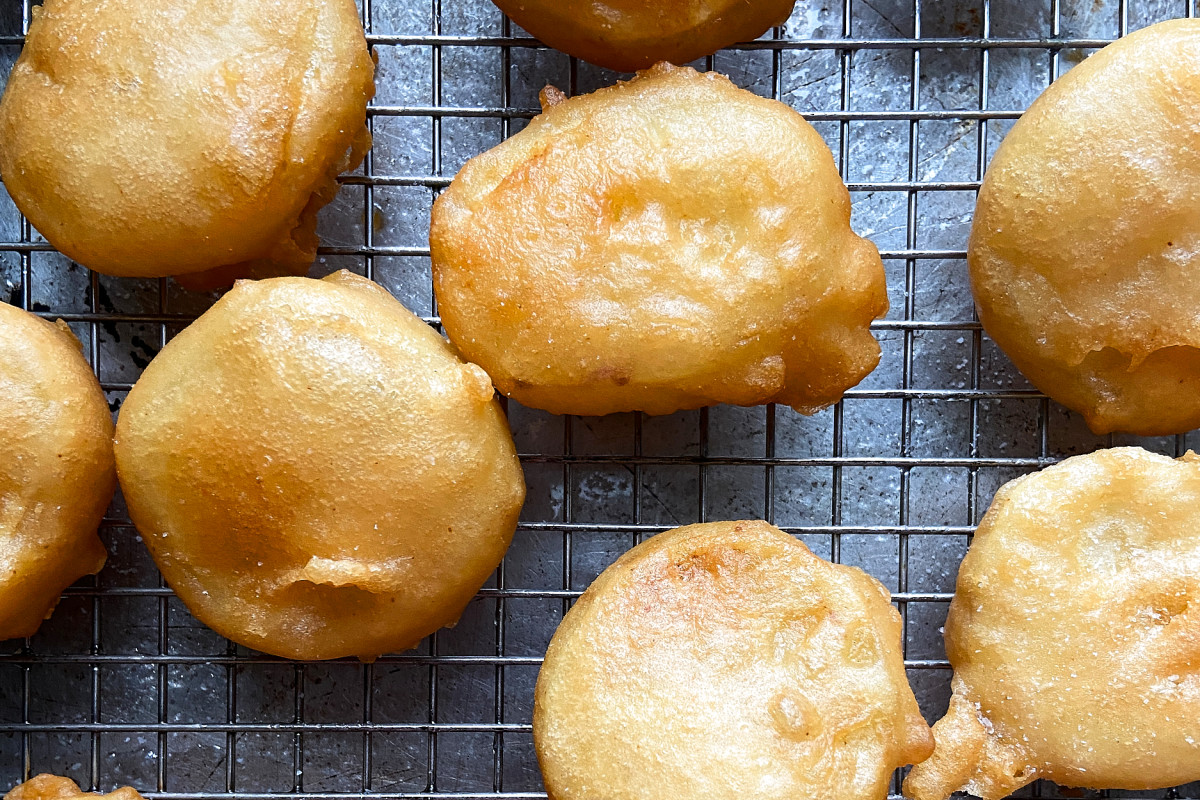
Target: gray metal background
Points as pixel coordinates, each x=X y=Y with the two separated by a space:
x=123 y=686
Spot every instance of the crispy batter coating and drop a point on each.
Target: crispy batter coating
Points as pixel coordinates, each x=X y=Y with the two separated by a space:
x=316 y=471
x=53 y=787
x=1075 y=633
x=185 y=137
x=634 y=34
x=669 y=242
x=1085 y=252
x=725 y=660
x=56 y=468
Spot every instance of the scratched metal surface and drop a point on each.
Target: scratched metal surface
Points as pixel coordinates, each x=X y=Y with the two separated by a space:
x=123 y=686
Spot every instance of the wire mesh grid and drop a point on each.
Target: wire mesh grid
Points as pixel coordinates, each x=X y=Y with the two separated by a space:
x=123 y=686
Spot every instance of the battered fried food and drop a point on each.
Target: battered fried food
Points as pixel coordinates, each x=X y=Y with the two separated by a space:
x=316 y=472
x=56 y=468
x=669 y=242
x=1083 y=255
x=1075 y=633
x=634 y=34
x=725 y=660
x=52 y=787
x=185 y=137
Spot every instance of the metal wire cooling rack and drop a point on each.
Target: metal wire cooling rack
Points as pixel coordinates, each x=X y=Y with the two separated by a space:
x=122 y=686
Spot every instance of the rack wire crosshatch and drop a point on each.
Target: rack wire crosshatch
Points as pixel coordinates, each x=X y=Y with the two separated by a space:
x=122 y=686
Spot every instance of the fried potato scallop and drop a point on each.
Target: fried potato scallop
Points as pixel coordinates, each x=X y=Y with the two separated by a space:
x=1075 y=633
x=53 y=787
x=725 y=660
x=669 y=242
x=56 y=468
x=633 y=34
x=316 y=471
x=185 y=137
x=1085 y=251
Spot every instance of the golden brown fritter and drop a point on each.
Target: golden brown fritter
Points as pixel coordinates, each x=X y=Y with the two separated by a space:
x=1085 y=252
x=721 y=661
x=185 y=137
x=634 y=34
x=316 y=471
x=56 y=468
x=1075 y=633
x=669 y=242
x=53 y=787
